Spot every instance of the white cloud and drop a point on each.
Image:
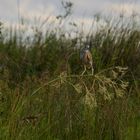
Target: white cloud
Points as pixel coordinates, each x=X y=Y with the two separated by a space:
x=82 y=13
x=127 y=9
x=82 y=8
x=8 y=9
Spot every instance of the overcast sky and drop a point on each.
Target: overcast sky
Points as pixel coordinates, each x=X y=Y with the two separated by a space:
x=83 y=10
x=87 y=8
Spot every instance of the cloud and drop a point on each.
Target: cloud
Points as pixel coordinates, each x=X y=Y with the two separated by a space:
x=87 y=8
x=91 y=7
x=8 y=9
x=83 y=10
x=127 y=9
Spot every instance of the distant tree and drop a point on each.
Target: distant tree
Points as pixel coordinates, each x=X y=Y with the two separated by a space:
x=67 y=6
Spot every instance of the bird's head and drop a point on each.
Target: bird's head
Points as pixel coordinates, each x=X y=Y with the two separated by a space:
x=87 y=46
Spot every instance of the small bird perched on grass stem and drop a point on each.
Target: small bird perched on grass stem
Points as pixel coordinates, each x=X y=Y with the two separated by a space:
x=86 y=58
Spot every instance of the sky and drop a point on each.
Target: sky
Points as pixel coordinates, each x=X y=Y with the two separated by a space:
x=83 y=10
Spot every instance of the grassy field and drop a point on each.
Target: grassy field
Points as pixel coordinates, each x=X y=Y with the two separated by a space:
x=44 y=96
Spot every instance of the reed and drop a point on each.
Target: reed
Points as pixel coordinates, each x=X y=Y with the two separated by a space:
x=44 y=96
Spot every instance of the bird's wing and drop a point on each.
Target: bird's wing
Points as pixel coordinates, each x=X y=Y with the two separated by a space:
x=89 y=56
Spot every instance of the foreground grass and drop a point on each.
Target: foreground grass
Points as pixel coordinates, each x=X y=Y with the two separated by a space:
x=44 y=96
x=69 y=107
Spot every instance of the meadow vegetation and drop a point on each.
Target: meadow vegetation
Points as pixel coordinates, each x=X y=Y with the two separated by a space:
x=44 y=96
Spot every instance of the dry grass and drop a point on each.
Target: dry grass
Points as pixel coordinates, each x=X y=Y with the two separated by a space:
x=44 y=96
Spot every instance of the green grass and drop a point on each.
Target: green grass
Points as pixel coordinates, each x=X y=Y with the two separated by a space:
x=44 y=96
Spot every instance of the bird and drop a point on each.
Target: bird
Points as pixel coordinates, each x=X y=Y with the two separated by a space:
x=86 y=59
